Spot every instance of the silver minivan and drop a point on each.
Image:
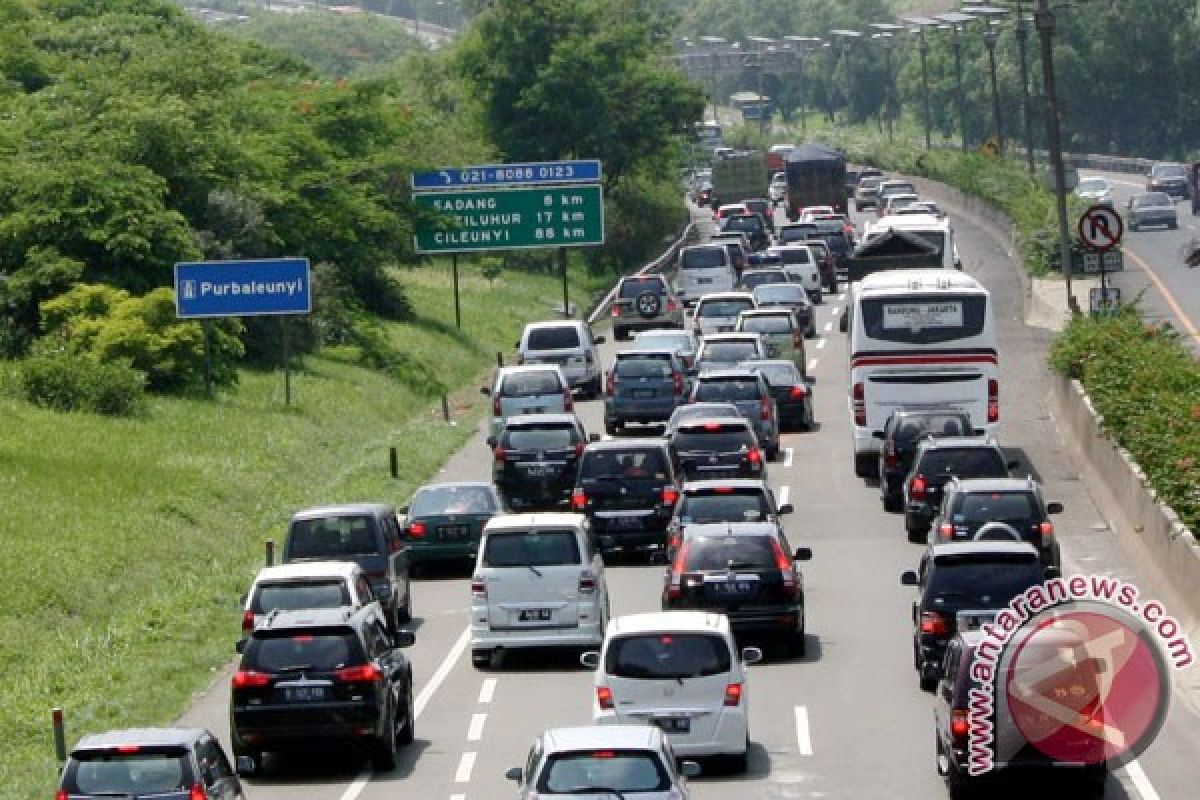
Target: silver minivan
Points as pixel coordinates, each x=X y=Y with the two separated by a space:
x=528 y=389
x=703 y=269
x=570 y=345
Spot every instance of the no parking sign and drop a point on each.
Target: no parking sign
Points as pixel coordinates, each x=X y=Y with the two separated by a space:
x=1100 y=228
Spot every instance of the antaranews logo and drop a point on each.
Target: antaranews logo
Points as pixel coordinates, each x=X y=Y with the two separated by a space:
x=1072 y=671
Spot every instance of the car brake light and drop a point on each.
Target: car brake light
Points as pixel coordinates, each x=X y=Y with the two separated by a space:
x=764 y=409
x=946 y=530
x=677 y=378
x=754 y=456
x=479 y=587
x=993 y=408
x=860 y=405
x=798 y=338
x=604 y=697
x=933 y=622
x=418 y=529
x=496 y=410
x=197 y=792
x=568 y=400
x=248 y=679
x=500 y=454
x=587 y=583
x=1046 y=529
x=61 y=794
x=579 y=499
x=579 y=448
x=247 y=621
x=959 y=724
x=612 y=383
x=128 y=749
x=712 y=426
x=671 y=306
x=363 y=673
x=670 y=495
x=916 y=489
x=675 y=581
x=796 y=392
x=733 y=694
x=890 y=459
x=616 y=311
x=784 y=562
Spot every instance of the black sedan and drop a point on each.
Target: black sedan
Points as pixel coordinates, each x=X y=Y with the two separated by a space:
x=444 y=521
x=791 y=390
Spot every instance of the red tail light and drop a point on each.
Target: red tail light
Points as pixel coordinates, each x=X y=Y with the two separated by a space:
x=61 y=794
x=670 y=495
x=675 y=581
x=784 y=562
x=993 y=414
x=247 y=621
x=754 y=456
x=946 y=530
x=860 y=405
x=1046 y=529
x=363 y=673
x=604 y=698
x=568 y=400
x=733 y=694
x=677 y=378
x=959 y=724
x=418 y=529
x=616 y=311
x=579 y=499
x=672 y=306
x=248 y=679
x=500 y=454
x=478 y=587
x=890 y=459
x=934 y=623
x=612 y=383
x=496 y=410
x=579 y=448
x=197 y=792
x=916 y=489
x=797 y=392
x=587 y=583
x=764 y=409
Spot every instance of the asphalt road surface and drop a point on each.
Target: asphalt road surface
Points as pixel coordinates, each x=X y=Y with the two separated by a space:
x=846 y=721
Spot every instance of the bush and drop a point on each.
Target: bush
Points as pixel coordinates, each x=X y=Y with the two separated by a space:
x=67 y=382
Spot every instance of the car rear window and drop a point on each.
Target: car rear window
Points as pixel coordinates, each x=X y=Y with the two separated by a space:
x=644 y=367
x=531 y=384
x=452 y=500
x=783 y=374
x=300 y=595
x=709 y=554
x=704 y=258
x=692 y=440
x=966 y=462
x=995 y=506
x=914 y=428
x=1169 y=171
x=542 y=548
x=944 y=319
x=624 y=464
x=729 y=352
x=776 y=323
x=332 y=537
x=667 y=656
x=724 y=308
x=776 y=293
x=729 y=390
x=540 y=438
x=605 y=771
x=317 y=651
x=795 y=255
x=679 y=342
x=751 y=224
x=732 y=505
x=797 y=234
x=137 y=774
x=559 y=337
x=632 y=287
x=990 y=583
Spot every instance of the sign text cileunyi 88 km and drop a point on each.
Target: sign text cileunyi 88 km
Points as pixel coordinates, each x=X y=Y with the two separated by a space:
x=512 y=218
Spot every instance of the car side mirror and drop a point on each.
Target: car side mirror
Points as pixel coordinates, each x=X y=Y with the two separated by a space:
x=600 y=340
x=908 y=578
x=786 y=508
x=240 y=646
x=690 y=769
x=590 y=659
x=593 y=437
x=513 y=774
x=1054 y=508
x=245 y=766
x=803 y=554
x=484 y=390
x=1052 y=572
x=404 y=639
x=751 y=655
x=491 y=441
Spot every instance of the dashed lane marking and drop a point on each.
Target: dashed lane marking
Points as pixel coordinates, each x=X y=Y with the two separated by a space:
x=443 y=670
x=784 y=491
x=360 y=783
x=803 y=737
x=1140 y=782
x=465 y=765
x=475 y=729
x=487 y=691
x=787 y=456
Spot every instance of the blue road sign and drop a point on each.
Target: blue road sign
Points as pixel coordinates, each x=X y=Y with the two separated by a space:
x=530 y=174
x=254 y=288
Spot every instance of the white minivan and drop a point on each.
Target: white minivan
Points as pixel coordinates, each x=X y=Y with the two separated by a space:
x=681 y=671
x=538 y=582
x=527 y=389
x=703 y=269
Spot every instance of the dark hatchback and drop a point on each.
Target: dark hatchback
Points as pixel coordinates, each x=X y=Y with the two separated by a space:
x=643 y=386
x=964 y=576
x=937 y=460
x=444 y=521
x=792 y=392
x=746 y=571
x=628 y=489
x=536 y=458
x=718 y=448
x=729 y=500
x=900 y=435
x=311 y=677
x=753 y=225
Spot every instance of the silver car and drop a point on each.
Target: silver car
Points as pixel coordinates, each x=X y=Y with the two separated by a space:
x=530 y=389
x=1095 y=190
x=718 y=312
x=644 y=302
x=693 y=411
x=568 y=344
x=1149 y=209
x=682 y=342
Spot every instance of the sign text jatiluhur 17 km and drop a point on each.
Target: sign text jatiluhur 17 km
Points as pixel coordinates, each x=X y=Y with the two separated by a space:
x=512 y=219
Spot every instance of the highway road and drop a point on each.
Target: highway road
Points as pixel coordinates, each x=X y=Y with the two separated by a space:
x=846 y=721
x=1154 y=263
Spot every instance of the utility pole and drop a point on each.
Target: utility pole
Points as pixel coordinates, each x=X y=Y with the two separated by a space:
x=989 y=40
x=1022 y=32
x=956 y=43
x=924 y=48
x=1044 y=20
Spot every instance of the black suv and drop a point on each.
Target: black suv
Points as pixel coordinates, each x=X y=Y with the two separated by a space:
x=1169 y=178
x=536 y=458
x=746 y=571
x=643 y=302
x=937 y=460
x=959 y=577
x=628 y=490
x=968 y=505
x=729 y=500
x=764 y=208
x=167 y=763
x=900 y=435
x=320 y=675
x=365 y=533
x=718 y=448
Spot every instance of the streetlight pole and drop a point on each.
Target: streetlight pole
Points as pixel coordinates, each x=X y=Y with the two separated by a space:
x=887 y=37
x=956 y=43
x=921 y=24
x=846 y=37
x=762 y=44
x=801 y=44
x=714 y=43
x=1044 y=20
x=989 y=40
x=1022 y=32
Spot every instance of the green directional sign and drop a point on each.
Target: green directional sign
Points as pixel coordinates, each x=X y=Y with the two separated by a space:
x=512 y=219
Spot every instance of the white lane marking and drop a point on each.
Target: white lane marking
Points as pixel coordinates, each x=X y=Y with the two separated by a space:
x=820 y=342
x=458 y=797
x=835 y=311
x=828 y=327
x=465 y=765
x=784 y=491
x=787 y=456
x=1140 y=782
x=475 y=729
x=439 y=676
x=487 y=690
x=803 y=738
x=812 y=364
x=360 y=783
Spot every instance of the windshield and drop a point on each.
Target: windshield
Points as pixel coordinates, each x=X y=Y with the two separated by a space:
x=966 y=462
x=753 y=279
x=723 y=308
x=1169 y=171
x=780 y=293
x=127 y=774
x=594 y=772
x=699 y=410
x=632 y=287
x=331 y=537
x=1011 y=507
x=544 y=548
x=778 y=323
x=735 y=505
x=703 y=258
x=296 y=596
x=463 y=499
x=752 y=224
x=712 y=554
x=977 y=582
x=1151 y=200
x=681 y=342
x=732 y=441
x=1092 y=185
x=778 y=374
x=667 y=656
x=542 y=438
x=557 y=338
x=912 y=428
x=795 y=255
x=317 y=651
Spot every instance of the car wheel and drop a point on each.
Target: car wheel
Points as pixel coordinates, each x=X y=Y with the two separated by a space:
x=863 y=463
x=384 y=757
x=773 y=452
x=1094 y=780
x=925 y=681
x=481 y=659
x=596 y=388
x=958 y=784
x=404 y=612
x=740 y=762
x=819 y=298
x=409 y=730
x=892 y=503
x=916 y=531
x=612 y=428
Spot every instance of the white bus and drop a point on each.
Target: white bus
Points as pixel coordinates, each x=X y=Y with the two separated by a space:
x=920 y=338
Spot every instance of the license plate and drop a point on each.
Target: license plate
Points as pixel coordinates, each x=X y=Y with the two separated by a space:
x=538 y=470
x=674 y=724
x=735 y=587
x=305 y=694
x=626 y=523
x=643 y=393
x=453 y=532
x=704 y=280
x=535 y=615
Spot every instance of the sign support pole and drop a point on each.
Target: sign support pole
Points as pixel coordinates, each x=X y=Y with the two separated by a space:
x=562 y=262
x=457 y=308
x=287 y=362
x=208 y=378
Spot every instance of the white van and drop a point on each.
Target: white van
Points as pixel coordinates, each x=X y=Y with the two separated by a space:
x=528 y=389
x=538 y=582
x=703 y=269
x=681 y=671
x=801 y=266
x=569 y=344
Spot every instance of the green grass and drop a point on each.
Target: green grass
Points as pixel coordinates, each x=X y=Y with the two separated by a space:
x=129 y=542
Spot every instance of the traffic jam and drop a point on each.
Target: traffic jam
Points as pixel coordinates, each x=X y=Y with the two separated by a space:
x=630 y=545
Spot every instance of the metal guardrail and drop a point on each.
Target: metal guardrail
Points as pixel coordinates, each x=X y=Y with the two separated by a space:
x=665 y=259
